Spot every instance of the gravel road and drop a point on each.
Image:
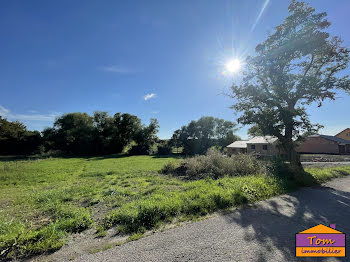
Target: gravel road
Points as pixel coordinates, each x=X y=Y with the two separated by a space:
x=325 y=164
x=264 y=232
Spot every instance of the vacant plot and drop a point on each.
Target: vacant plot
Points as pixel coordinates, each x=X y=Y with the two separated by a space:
x=42 y=201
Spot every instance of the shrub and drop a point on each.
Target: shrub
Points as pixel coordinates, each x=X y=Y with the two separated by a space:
x=164 y=149
x=215 y=165
x=140 y=150
x=168 y=168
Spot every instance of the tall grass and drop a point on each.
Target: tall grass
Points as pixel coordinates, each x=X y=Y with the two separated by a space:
x=215 y=165
x=198 y=198
x=43 y=201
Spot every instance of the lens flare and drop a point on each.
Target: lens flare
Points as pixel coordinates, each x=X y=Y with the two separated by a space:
x=233 y=66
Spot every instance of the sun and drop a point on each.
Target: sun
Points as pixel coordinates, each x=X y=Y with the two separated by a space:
x=233 y=66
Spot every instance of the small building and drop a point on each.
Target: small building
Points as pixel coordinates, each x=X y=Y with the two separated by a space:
x=345 y=134
x=263 y=145
x=260 y=145
x=237 y=147
x=322 y=144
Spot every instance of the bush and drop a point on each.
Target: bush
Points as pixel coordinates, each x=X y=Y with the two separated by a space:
x=164 y=149
x=168 y=168
x=140 y=150
x=215 y=165
x=279 y=167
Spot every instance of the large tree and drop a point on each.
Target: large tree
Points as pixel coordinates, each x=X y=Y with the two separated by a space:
x=297 y=65
x=73 y=133
x=15 y=139
x=145 y=138
x=82 y=134
x=198 y=136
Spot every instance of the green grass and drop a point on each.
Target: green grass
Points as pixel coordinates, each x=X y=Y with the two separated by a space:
x=43 y=201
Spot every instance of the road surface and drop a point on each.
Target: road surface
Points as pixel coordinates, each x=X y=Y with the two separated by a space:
x=265 y=232
x=325 y=164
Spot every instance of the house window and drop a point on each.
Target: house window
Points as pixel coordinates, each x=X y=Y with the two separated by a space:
x=252 y=147
x=348 y=134
x=264 y=147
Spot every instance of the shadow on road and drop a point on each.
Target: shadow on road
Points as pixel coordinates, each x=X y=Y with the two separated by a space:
x=273 y=223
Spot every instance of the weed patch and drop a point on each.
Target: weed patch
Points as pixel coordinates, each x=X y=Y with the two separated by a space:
x=43 y=201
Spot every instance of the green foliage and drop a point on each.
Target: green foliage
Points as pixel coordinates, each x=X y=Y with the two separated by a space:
x=198 y=136
x=145 y=138
x=43 y=201
x=100 y=231
x=31 y=242
x=169 y=168
x=82 y=134
x=198 y=198
x=126 y=127
x=255 y=131
x=324 y=174
x=134 y=237
x=164 y=148
x=15 y=139
x=215 y=165
x=297 y=65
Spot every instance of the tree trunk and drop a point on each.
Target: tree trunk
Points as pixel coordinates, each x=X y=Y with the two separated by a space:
x=293 y=157
x=288 y=144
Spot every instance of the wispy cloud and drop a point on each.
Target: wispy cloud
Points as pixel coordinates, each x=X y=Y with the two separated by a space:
x=27 y=117
x=149 y=96
x=3 y=111
x=117 y=69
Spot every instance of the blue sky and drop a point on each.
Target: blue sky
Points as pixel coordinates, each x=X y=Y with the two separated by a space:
x=155 y=59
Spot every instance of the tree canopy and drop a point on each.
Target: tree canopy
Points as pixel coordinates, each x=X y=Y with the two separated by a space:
x=82 y=134
x=15 y=139
x=299 y=64
x=198 y=136
x=255 y=131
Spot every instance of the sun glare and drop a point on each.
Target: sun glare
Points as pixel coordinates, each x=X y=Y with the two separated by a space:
x=233 y=66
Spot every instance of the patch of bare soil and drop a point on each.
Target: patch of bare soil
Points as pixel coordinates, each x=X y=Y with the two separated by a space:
x=87 y=242
x=82 y=243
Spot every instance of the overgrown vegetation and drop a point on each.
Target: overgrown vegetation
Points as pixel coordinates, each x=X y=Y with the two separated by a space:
x=43 y=201
x=215 y=165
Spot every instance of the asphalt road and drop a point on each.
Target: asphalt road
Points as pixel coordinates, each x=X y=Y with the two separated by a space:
x=265 y=232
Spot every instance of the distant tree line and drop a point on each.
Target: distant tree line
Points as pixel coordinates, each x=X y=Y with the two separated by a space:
x=81 y=134
x=100 y=134
x=103 y=134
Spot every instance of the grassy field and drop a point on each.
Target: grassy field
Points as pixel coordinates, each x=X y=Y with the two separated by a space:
x=43 y=201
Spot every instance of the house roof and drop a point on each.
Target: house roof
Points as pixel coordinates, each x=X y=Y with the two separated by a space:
x=320 y=229
x=263 y=140
x=254 y=140
x=238 y=144
x=333 y=138
x=345 y=130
